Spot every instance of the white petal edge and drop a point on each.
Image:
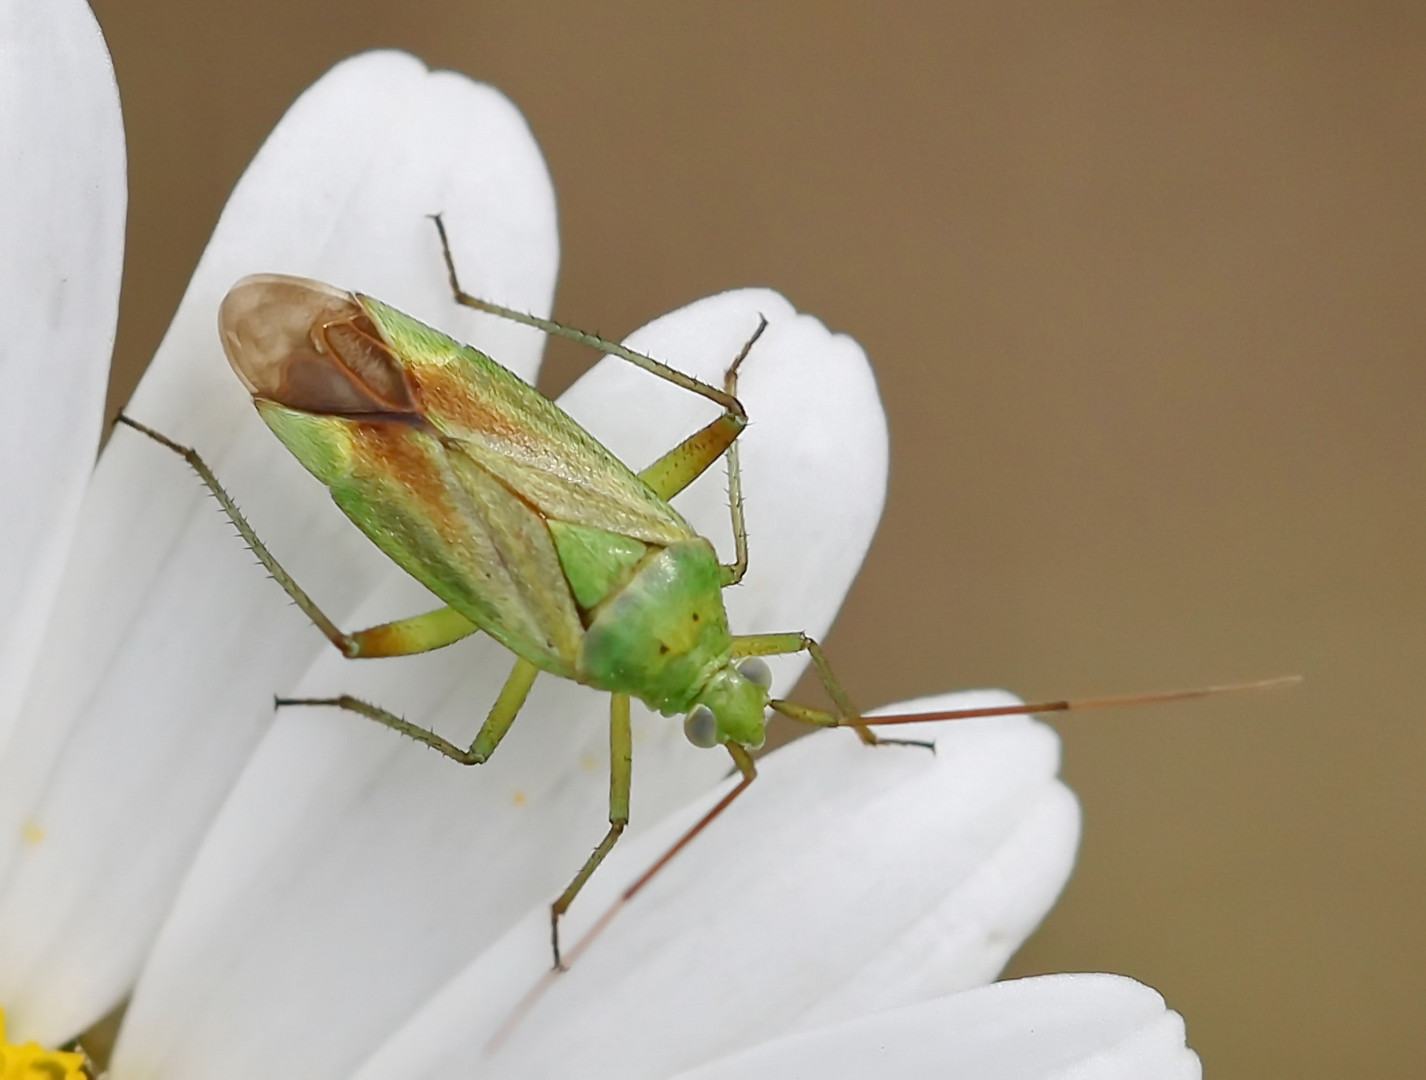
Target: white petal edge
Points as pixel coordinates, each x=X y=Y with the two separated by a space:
x=166 y=643
x=1051 y=1027
x=386 y=868
x=62 y=220
x=837 y=858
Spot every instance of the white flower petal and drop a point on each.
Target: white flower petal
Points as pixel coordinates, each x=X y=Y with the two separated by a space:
x=1054 y=1027
x=359 y=872
x=166 y=643
x=61 y=252
x=840 y=864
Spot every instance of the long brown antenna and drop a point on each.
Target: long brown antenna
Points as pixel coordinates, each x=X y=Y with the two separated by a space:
x=1065 y=705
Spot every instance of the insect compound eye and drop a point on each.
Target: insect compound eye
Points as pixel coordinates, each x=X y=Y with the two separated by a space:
x=756 y=671
x=700 y=727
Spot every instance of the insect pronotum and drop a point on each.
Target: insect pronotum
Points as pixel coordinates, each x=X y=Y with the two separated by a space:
x=524 y=526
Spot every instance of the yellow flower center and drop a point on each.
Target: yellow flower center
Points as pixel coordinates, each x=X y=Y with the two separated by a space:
x=31 y=1061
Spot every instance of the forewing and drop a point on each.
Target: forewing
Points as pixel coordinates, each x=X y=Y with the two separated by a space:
x=514 y=433
x=452 y=526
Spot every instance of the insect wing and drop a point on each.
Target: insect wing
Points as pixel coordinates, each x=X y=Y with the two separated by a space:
x=453 y=466
x=459 y=532
x=515 y=434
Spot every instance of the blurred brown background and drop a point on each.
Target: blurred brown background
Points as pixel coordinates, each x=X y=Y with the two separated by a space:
x=1143 y=288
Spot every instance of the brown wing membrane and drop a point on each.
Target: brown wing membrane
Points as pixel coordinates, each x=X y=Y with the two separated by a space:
x=311 y=347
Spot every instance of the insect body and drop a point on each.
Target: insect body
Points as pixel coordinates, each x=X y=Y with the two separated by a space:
x=494 y=499
x=512 y=514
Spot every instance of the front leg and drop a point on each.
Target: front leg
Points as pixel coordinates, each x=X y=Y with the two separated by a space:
x=847 y=714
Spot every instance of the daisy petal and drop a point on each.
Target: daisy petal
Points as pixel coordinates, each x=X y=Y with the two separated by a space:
x=166 y=644
x=1054 y=1027
x=846 y=878
x=62 y=220
x=359 y=872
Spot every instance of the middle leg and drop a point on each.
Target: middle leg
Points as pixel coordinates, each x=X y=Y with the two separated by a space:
x=497 y=722
x=621 y=768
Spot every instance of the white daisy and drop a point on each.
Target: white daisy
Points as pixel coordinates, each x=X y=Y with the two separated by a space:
x=317 y=898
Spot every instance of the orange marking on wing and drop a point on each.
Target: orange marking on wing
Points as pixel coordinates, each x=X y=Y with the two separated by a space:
x=446 y=396
x=394 y=449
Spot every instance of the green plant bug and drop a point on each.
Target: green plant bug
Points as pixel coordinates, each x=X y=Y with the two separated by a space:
x=524 y=526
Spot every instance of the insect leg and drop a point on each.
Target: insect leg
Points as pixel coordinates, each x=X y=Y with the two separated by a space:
x=420 y=633
x=648 y=363
x=502 y=714
x=744 y=762
x=416 y=634
x=687 y=461
x=847 y=714
x=621 y=753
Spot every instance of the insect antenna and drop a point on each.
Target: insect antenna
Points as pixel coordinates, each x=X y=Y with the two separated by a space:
x=1075 y=704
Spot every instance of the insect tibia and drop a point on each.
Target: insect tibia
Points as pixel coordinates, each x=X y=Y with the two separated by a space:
x=424 y=736
x=255 y=545
x=655 y=367
x=733 y=574
x=730 y=377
